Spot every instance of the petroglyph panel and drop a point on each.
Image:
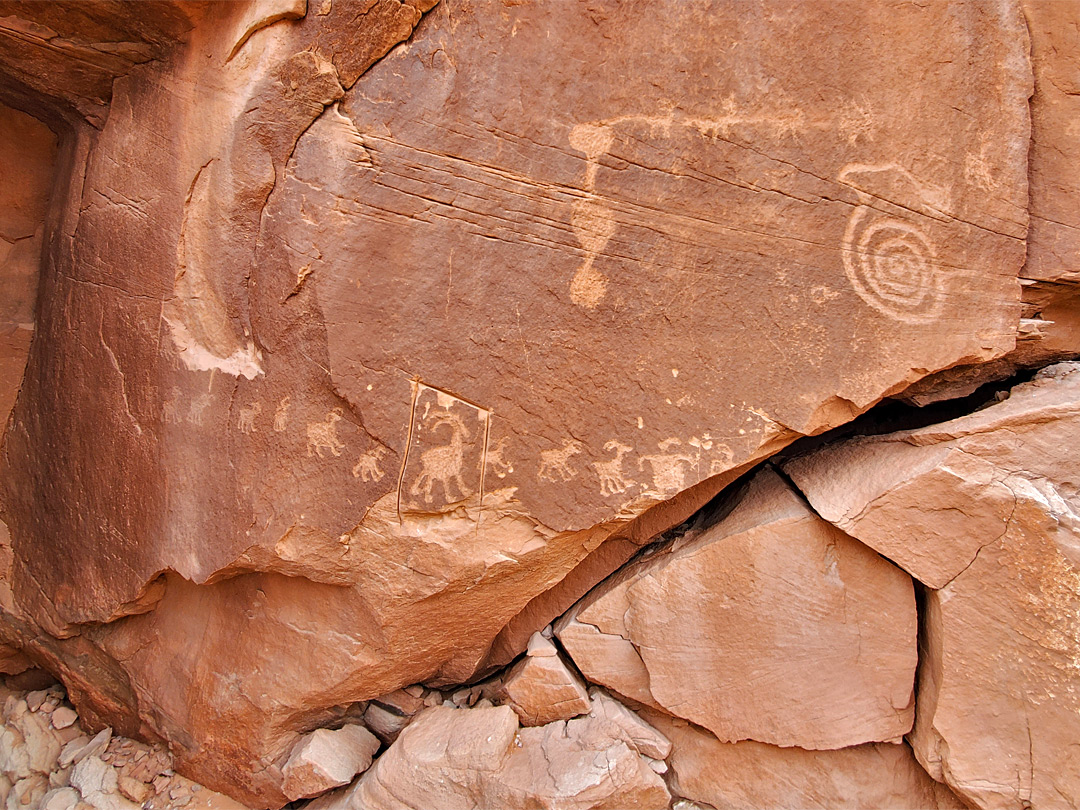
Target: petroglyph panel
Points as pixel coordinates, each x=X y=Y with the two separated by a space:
x=559 y=254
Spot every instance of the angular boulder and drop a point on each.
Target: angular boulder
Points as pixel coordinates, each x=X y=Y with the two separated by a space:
x=541 y=688
x=771 y=625
x=325 y=759
x=459 y=759
x=998 y=710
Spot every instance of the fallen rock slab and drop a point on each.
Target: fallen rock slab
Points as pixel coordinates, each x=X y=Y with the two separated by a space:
x=541 y=688
x=771 y=625
x=998 y=711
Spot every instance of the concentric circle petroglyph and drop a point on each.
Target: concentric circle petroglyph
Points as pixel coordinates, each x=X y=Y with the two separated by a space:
x=893 y=266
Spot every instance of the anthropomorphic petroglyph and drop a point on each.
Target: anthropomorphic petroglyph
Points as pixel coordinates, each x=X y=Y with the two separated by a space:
x=170 y=411
x=610 y=471
x=281 y=414
x=592 y=220
x=669 y=466
x=555 y=464
x=367 y=466
x=195 y=413
x=323 y=435
x=246 y=421
x=499 y=465
x=888 y=256
x=442 y=465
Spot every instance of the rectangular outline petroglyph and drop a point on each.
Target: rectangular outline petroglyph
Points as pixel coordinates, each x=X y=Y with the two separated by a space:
x=484 y=414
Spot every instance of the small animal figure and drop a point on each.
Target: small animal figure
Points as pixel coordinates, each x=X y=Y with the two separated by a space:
x=170 y=411
x=669 y=469
x=195 y=415
x=323 y=435
x=246 y=422
x=500 y=466
x=610 y=471
x=281 y=414
x=557 y=462
x=367 y=467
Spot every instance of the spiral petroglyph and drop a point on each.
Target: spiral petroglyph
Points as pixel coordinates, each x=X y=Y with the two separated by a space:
x=891 y=265
x=889 y=260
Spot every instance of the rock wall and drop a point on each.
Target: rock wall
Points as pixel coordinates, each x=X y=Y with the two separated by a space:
x=381 y=342
x=27 y=163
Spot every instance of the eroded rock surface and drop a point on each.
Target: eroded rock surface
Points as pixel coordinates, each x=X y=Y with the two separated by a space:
x=770 y=625
x=999 y=699
x=27 y=162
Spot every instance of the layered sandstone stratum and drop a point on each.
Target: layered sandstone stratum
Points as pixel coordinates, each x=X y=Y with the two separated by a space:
x=490 y=404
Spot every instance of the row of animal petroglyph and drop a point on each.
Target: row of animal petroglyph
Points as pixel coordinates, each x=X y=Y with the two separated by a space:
x=669 y=468
x=322 y=438
x=442 y=466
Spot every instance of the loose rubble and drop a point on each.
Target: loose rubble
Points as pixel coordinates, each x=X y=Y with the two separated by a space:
x=48 y=762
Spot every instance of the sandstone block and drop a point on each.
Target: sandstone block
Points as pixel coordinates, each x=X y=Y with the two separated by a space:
x=64 y=798
x=28 y=792
x=78 y=749
x=134 y=789
x=384 y=723
x=750 y=775
x=646 y=739
x=63 y=717
x=43 y=746
x=325 y=759
x=771 y=625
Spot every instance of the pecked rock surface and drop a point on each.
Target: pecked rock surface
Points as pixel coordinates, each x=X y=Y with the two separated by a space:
x=1049 y=329
x=770 y=625
x=996 y=536
x=372 y=336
